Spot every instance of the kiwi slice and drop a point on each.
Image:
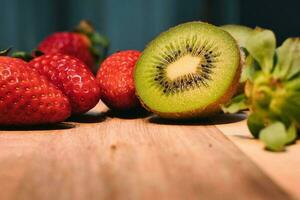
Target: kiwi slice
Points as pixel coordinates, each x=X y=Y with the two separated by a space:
x=188 y=71
x=239 y=32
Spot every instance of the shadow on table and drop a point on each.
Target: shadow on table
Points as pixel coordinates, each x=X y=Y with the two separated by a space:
x=91 y=117
x=245 y=137
x=46 y=127
x=250 y=137
x=214 y=120
x=133 y=114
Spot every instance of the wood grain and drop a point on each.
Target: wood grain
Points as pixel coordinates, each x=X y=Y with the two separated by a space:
x=282 y=167
x=104 y=157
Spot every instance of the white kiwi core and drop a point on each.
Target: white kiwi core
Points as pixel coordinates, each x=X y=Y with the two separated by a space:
x=185 y=65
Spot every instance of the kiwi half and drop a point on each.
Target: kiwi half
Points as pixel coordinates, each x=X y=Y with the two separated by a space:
x=188 y=71
x=239 y=32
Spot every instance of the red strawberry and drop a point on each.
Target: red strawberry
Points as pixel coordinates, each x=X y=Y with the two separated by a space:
x=27 y=98
x=72 y=77
x=73 y=44
x=115 y=78
x=86 y=44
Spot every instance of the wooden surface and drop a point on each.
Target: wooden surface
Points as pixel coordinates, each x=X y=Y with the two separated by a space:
x=104 y=156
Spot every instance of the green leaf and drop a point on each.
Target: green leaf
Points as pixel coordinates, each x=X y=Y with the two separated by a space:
x=239 y=32
x=99 y=43
x=99 y=47
x=261 y=45
x=293 y=84
x=22 y=55
x=288 y=64
x=290 y=106
x=236 y=104
x=5 y=52
x=249 y=69
x=274 y=136
x=291 y=134
x=255 y=123
x=99 y=39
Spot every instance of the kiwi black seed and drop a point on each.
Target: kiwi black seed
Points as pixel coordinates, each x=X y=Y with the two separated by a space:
x=188 y=71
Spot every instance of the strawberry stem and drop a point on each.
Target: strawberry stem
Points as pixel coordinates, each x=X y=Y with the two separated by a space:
x=22 y=55
x=5 y=52
x=99 y=43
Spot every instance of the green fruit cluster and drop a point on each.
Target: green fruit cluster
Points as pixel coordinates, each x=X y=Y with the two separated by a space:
x=272 y=91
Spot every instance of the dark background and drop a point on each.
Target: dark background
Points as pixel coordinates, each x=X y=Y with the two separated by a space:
x=131 y=24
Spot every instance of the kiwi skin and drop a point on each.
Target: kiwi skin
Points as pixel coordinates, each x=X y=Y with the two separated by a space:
x=209 y=110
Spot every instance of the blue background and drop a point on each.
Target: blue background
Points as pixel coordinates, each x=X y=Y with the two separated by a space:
x=131 y=24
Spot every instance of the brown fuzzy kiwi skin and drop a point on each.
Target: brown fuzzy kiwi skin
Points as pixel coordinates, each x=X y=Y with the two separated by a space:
x=209 y=110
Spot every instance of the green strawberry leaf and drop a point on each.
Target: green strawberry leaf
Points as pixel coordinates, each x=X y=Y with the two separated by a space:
x=5 y=52
x=293 y=84
x=291 y=133
x=288 y=64
x=238 y=103
x=250 y=67
x=99 y=43
x=261 y=45
x=291 y=106
x=99 y=39
x=255 y=124
x=274 y=136
x=22 y=55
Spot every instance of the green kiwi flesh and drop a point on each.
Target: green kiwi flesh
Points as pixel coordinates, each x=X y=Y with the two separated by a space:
x=239 y=32
x=188 y=71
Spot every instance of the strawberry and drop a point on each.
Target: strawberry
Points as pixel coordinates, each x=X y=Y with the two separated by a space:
x=115 y=78
x=72 y=77
x=27 y=98
x=85 y=44
x=73 y=44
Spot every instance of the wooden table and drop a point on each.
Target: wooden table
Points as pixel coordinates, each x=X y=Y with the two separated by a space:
x=104 y=156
